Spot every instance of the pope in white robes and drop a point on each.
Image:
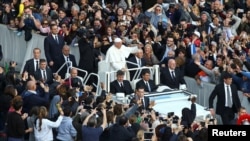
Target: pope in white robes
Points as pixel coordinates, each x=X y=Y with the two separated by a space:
x=116 y=56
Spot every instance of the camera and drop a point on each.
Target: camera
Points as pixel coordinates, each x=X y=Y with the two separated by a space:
x=170 y=114
x=148 y=135
x=202 y=123
x=175 y=119
x=109 y=105
x=99 y=112
x=211 y=121
x=26 y=16
x=162 y=119
x=85 y=33
x=146 y=119
x=99 y=108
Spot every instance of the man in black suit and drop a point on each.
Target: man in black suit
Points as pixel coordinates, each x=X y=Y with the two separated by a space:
x=146 y=82
x=66 y=56
x=120 y=85
x=138 y=61
x=139 y=96
x=44 y=73
x=53 y=45
x=171 y=76
x=228 y=101
x=32 y=65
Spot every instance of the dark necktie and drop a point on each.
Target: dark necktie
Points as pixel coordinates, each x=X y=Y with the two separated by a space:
x=56 y=38
x=67 y=59
x=122 y=87
x=173 y=76
x=37 y=65
x=142 y=103
x=44 y=75
x=229 y=100
x=149 y=89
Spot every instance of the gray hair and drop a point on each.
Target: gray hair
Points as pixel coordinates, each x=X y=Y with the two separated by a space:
x=75 y=7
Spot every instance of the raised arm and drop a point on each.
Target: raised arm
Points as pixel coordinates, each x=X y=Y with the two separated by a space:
x=87 y=118
x=104 y=122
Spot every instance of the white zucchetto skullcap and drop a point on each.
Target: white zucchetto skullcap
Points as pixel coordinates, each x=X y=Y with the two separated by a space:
x=118 y=40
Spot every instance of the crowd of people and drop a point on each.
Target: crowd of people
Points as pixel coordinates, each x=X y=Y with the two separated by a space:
x=207 y=40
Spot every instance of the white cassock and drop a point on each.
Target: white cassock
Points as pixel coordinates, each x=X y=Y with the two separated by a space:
x=116 y=58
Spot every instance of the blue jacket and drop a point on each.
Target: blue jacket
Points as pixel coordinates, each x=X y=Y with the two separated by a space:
x=66 y=130
x=31 y=99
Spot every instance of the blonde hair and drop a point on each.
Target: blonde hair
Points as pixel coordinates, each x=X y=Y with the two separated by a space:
x=140 y=135
x=150 y=47
x=195 y=9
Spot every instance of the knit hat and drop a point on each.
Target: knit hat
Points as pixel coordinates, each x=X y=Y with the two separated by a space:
x=208 y=16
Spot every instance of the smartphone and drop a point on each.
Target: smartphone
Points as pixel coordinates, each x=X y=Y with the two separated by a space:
x=202 y=123
x=211 y=121
x=174 y=125
x=170 y=114
x=148 y=135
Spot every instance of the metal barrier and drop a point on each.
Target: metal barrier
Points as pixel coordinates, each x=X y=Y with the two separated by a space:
x=84 y=79
x=69 y=65
x=97 y=85
x=204 y=90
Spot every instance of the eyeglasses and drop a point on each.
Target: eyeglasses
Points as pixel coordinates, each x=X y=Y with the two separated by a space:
x=63 y=26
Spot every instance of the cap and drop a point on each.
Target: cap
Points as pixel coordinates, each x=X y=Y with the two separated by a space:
x=208 y=15
x=197 y=33
x=117 y=40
